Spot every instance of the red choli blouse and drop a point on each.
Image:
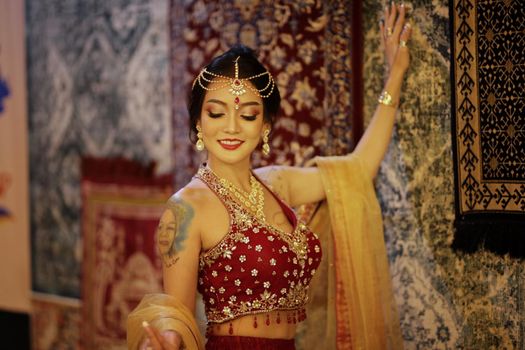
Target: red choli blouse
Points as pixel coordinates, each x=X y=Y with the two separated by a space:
x=255 y=268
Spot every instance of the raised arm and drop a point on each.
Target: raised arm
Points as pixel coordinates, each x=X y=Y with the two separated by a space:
x=300 y=185
x=394 y=36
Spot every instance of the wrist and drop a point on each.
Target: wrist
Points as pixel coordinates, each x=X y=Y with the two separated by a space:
x=393 y=86
x=396 y=74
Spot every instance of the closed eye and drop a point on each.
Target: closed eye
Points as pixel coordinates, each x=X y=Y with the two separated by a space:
x=215 y=115
x=249 y=117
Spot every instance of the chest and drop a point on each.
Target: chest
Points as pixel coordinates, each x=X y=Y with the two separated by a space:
x=256 y=258
x=255 y=268
x=218 y=219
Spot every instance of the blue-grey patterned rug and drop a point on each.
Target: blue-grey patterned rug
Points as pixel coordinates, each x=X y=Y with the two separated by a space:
x=98 y=85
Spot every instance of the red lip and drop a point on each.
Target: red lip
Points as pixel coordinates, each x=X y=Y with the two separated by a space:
x=230 y=147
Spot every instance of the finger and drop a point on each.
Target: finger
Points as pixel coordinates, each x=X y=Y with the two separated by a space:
x=153 y=336
x=386 y=12
x=391 y=19
x=399 y=22
x=386 y=21
x=145 y=344
x=405 y=35
x=168 y=339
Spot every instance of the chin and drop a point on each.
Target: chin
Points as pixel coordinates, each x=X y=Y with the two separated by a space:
x=231 y=160
x=230 y=157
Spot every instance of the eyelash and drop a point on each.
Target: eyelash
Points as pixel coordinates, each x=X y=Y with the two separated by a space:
x=215 y=115
x=246 y=117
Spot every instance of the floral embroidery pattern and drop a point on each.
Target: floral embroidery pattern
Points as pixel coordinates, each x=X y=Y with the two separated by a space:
x=252 y=260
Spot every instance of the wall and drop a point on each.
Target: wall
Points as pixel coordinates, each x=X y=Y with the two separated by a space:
x=14 y=221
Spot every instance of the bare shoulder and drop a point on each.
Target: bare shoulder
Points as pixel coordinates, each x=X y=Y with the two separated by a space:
x=188 y=204
x=275 y=177
x=195 y=193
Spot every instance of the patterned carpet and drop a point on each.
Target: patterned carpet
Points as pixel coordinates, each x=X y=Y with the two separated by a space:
x=447 y=300
x=98 y=85
x=121 y=205
x=305 y=45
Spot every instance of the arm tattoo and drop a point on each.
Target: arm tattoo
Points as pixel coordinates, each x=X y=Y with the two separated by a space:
x=172 y=235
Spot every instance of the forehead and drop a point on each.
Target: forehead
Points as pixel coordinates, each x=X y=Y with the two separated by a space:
x=220 y=91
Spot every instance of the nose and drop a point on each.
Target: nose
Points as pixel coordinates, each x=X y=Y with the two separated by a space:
x=232 y=125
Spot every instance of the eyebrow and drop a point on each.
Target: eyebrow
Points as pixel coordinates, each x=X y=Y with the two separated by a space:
x=250 y=103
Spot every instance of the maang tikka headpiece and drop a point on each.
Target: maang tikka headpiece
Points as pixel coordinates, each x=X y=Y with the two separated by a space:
x=237 y=86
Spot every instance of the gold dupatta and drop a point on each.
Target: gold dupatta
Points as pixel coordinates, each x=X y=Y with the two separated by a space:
x=356 y=281
x=164 y=312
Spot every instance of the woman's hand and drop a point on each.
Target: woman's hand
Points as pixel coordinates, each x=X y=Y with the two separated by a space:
x=394 y=37
x=166 y=340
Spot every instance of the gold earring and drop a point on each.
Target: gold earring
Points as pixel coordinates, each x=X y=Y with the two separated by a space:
x=200 y=144
x=266 y=146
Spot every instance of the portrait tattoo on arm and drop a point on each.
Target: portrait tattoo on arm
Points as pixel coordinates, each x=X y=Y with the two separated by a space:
x=172 y=234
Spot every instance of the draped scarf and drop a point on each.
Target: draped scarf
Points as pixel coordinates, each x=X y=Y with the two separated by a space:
x=361 y=310
x=351 y=298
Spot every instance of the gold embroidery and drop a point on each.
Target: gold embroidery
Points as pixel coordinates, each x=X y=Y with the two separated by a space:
x=243 y=220
x=294 y=297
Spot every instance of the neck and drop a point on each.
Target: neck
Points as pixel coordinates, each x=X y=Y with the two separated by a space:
x=237 y=174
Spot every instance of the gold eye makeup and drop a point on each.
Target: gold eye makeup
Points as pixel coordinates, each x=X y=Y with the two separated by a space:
x=214 y=115
x=249 y=117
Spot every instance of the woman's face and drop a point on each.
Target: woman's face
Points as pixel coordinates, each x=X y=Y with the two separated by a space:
x=229 y=134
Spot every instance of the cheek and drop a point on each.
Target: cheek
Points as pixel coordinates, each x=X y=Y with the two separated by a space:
x=253 y=134
x=210 y=128
x=254 y=129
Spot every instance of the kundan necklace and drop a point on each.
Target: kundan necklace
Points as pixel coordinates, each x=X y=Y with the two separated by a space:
x=253 y=200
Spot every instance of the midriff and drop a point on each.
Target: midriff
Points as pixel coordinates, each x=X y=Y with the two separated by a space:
x=244 y=325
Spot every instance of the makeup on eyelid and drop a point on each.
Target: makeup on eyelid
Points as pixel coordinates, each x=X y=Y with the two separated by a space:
x=251 y=114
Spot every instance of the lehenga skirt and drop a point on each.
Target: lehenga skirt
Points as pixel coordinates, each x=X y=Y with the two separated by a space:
x=219 y=342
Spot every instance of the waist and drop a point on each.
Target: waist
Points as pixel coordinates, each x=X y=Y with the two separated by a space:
x=219 y=342
x=278 y=324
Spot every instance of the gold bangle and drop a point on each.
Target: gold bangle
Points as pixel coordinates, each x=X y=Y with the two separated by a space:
x=386 y=99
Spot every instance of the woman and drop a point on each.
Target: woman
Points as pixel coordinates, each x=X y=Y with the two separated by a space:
x=230 y=233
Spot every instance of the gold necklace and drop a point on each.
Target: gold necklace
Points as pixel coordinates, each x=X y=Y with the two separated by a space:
x=253 y=200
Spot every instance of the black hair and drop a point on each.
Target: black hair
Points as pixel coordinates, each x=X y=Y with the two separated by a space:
x=224 y=64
